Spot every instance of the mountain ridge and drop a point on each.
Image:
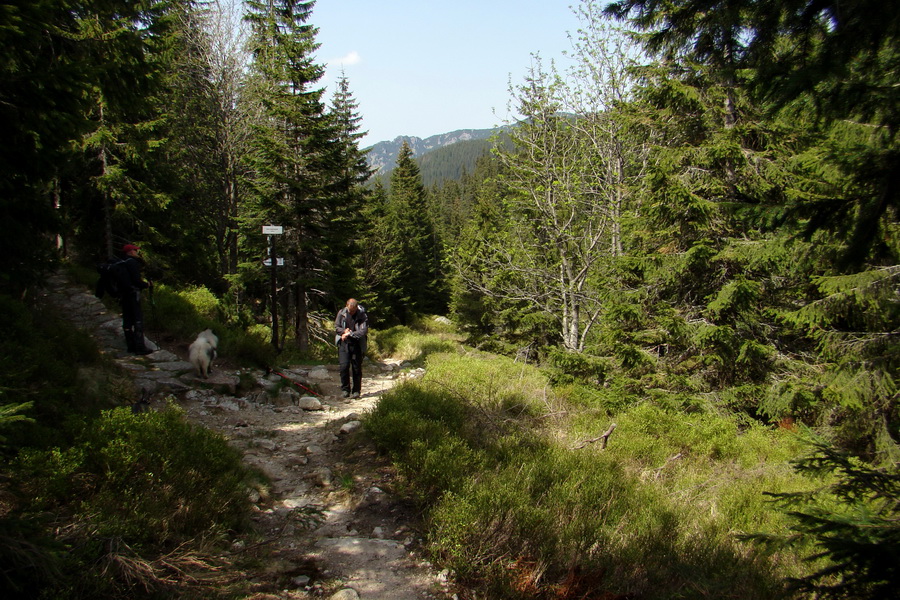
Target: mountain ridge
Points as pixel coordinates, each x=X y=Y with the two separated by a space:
x=382 y=156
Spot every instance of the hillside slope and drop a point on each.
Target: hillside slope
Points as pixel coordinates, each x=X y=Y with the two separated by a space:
x=383 y=155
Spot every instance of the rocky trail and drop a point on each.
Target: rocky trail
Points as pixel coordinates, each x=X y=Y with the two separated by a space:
x=330 y=522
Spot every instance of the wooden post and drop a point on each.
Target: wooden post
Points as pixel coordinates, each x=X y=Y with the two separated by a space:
x=274 y=291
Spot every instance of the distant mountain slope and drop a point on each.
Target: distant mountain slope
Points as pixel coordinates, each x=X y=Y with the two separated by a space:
x=383 y=155
x=450 y=162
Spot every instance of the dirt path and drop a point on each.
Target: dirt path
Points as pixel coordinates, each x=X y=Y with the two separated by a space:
x=330 y=523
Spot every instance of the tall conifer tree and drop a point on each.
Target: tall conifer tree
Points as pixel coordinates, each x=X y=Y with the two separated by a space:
x=351 y=173
x=293 y=150
x=839 y=59
x=415 y=254
x=57 y=57
x=206 y=138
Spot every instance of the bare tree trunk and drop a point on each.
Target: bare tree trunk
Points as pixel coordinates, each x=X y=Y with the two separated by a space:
x=301 y=328
x=107 y=203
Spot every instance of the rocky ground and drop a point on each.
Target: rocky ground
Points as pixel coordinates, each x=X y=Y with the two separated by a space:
x=330 y=523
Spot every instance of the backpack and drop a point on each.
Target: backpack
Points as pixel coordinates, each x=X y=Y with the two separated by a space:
x=114 y=278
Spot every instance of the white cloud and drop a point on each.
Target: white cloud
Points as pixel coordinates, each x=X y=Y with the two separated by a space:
x=352 y=58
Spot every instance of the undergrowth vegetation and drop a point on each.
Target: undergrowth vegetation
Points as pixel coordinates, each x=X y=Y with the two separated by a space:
x=142 y=496
x=523 y=502
x=182 y=313
x=414 y=342
x=573 y=479
x=96 y=501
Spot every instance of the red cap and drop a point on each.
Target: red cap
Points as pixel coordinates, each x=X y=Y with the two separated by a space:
x=129 y=247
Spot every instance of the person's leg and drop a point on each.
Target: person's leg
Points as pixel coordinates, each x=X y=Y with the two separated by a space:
x=128 y=321
x=344 y=362
x=139 y=346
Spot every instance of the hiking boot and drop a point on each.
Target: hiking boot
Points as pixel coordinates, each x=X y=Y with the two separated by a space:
x=354 y=395
x=139 y=347
x=345 y=394
x=129 y=341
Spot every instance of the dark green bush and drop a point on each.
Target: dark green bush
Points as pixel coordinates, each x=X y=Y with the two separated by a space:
x=54 y=366
x=568 y=367
x=412 y=412
x=150 y=479
x=104 y=512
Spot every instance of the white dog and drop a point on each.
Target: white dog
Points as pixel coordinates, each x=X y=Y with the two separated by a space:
x=203 y=351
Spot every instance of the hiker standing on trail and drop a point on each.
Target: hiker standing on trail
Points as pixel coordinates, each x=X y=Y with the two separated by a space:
x=130 y=298
x=350 y=329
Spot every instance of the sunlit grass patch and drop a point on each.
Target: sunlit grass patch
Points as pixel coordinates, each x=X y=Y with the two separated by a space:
x=492 y=383
x=404 y=343
x=520 y=507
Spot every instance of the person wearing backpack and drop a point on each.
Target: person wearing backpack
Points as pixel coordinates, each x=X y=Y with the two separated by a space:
x=350 y=329
x=130 y=285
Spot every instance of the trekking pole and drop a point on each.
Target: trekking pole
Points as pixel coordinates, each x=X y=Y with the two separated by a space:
x=286 y=378
x=153 y=313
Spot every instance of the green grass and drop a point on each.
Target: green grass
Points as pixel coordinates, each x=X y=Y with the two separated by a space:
x=413 y=345
x=518 y=510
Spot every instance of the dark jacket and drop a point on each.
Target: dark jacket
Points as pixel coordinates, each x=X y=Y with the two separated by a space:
x=358 y=325
x=134 y=266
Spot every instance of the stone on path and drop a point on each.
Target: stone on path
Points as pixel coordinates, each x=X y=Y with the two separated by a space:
x=309 y=403
x=319 y=373
x=372 y=568
x=350 y=427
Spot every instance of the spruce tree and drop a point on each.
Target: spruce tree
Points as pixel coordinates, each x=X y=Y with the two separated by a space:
x=292 y=152
x=351 y=196
x=414 y=253
x=854 y=522
x=373 y=257
x=57 y=57
x=834 y=60
x=206 y=138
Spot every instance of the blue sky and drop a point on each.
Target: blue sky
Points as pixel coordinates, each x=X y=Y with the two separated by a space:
x=427 y=67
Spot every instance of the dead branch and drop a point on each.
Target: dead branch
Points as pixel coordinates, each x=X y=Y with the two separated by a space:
x=658 y=470
x=602 y=439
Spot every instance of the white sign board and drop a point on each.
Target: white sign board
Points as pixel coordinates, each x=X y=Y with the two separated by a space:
x=268 y=262
x=273 y=229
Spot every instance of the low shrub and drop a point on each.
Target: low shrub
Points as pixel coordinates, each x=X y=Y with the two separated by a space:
x=567 y=367
x=149 y=478
x=47 y=362
x=435 y=325
x=185 y=313
x=414 y=412
x=204 y=302
x=558 y=520
x=539 y=513
x=130 y=490
x=494 y=385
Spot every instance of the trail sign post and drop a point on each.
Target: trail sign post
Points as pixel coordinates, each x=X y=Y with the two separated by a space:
x=271 y=231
